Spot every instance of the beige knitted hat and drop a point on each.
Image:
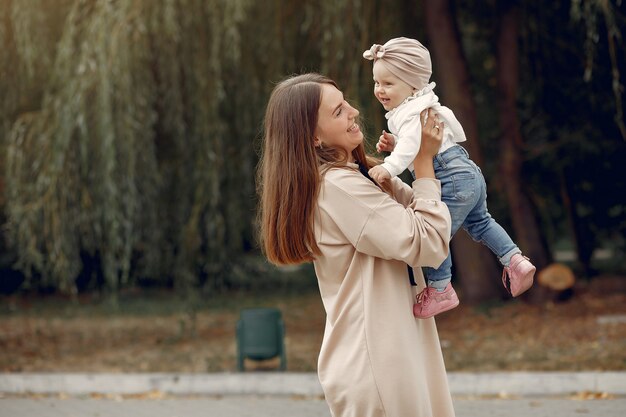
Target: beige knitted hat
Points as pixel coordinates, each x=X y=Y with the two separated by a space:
x=406 y=58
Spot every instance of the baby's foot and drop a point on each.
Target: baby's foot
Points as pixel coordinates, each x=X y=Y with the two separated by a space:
x=518 y=276
x=431 y=302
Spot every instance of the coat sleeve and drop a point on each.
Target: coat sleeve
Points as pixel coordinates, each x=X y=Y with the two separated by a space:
x=402 y=192
x=379 y=226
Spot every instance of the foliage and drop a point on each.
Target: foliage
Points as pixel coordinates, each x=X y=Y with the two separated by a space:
x=134 y=151
x=574 y=122
x=129 y=128
x=121 y=163
x=570 y=110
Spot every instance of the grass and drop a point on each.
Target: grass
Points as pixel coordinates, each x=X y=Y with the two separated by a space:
x=158 y=332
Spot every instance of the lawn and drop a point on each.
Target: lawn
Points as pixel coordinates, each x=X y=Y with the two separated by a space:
x=156 y=333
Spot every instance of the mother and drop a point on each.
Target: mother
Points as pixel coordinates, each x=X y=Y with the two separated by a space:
x=319 y=205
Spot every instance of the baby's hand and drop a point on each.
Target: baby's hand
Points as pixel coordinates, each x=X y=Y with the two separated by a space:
x=379 y=174
x=386 y=142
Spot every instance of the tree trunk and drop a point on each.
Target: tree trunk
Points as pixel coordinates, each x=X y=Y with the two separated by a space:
x=474 y=264
x=584 y=241
x=525 y=224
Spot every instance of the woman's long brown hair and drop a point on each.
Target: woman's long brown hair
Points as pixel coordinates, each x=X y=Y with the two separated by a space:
x=289 y=174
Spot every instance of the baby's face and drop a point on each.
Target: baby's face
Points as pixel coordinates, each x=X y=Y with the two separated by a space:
x=390 y=90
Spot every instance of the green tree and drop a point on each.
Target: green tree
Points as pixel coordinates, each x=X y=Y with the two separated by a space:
x=129 y=128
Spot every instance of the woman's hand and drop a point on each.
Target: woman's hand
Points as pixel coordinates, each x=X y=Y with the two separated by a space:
x=386 y=142
x=432 y=133
x=432 y=137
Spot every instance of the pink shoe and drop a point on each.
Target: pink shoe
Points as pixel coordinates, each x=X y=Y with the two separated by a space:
x=518 y=276
x=431 y=302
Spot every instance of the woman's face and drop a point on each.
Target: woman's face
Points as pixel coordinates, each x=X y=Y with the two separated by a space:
x=336 y=125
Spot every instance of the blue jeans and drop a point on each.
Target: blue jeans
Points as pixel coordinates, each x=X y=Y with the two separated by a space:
x=464 y=191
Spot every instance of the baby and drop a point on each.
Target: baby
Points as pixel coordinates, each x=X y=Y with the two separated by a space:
x=402 y=70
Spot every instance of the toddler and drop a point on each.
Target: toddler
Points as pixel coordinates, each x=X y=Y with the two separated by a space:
x=402 y=70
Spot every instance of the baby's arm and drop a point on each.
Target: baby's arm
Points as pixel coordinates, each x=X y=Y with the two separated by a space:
x=407 y=146
x=379 y=174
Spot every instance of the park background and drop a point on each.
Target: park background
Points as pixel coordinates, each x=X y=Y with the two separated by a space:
x=130 y=132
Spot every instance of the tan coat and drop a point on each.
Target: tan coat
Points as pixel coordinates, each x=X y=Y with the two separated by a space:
x=376 y=359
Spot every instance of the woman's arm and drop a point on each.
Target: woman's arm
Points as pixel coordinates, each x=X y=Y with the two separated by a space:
x=417 y=234
x=422 y=238
x=378 y=225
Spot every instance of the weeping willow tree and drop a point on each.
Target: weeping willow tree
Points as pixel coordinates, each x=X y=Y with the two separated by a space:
x=126 y=158
x=130 y=126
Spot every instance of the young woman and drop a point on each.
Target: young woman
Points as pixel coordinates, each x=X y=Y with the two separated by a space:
x=318 y=204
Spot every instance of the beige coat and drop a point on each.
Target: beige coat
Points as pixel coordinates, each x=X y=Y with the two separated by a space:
x=376 y=359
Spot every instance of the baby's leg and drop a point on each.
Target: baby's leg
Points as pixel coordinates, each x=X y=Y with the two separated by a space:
x=518 y=273
x=483 y=228
x=438 y=296
x=459 y=191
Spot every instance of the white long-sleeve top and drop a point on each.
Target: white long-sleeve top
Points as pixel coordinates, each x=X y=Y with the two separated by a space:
x=405 y=124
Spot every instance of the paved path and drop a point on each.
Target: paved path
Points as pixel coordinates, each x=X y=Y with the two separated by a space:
x=520 y=394
x=276 y=406
x=523 y=384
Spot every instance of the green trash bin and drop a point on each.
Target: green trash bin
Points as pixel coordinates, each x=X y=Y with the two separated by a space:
x=260 y=336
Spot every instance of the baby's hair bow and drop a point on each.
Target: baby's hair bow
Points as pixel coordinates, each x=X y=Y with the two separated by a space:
x=375 y=52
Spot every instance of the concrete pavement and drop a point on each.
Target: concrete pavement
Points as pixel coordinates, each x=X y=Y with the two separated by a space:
x=281 y=406
x=302 y=384
x=276 y=394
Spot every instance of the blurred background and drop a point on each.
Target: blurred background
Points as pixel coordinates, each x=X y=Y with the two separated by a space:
x=130 y=132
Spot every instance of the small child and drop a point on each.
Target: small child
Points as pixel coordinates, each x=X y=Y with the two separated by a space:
x=402 y=70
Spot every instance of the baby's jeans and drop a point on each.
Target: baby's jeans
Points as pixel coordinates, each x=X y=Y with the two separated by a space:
x=464 y=191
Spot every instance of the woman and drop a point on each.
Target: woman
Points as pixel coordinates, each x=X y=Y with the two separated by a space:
x=317 y=204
